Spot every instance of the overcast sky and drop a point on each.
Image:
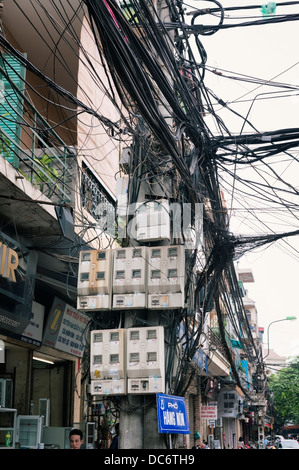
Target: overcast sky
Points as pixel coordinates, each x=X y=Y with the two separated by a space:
x=267 y=52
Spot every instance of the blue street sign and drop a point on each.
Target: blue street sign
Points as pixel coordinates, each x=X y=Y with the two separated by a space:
x=172 y=415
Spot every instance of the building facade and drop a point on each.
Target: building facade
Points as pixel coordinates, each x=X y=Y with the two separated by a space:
x=69 y=165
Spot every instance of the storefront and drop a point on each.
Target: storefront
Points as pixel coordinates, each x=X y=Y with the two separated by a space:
x=42 y=339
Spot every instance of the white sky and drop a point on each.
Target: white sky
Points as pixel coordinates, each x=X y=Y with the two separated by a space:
x=268 y=52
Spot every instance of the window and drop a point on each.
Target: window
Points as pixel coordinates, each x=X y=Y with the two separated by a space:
x=156 y=274
x=137 y=253
x=114 y=336
x=151 y=334
x=84 y=277
x=98 y=359
x=121 y=254
x=98 y=337
x=152 y=356
x=134 y=357
x=136 y=274
x=134 y=335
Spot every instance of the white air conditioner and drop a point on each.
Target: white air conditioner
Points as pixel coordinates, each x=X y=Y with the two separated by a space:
x=145 y=352
x=107 y=354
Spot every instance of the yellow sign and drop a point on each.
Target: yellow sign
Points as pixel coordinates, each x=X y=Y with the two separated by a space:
x=9 y=262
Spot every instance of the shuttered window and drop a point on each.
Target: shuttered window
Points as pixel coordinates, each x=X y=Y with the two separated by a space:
x=12 y=76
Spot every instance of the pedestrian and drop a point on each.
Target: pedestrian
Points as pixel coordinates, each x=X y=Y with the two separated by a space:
x=241 y=443
x=76 y=438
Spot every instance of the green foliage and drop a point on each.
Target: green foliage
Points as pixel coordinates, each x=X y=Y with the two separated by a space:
x=47 y=173
x=4 y=146
x=285 y=388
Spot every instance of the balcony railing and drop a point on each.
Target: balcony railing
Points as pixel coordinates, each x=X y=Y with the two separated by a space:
x=217 y=344
x=27 y=140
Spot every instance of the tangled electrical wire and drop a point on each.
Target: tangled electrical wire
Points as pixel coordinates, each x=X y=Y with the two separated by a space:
x=156 y=81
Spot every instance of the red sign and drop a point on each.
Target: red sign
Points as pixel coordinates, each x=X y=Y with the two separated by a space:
x=208 y=412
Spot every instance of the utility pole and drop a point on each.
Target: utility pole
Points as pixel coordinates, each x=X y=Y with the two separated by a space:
x=138 y=416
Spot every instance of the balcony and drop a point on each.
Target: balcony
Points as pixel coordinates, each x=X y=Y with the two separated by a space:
x=27 y=141
x=37 y=168
x=219 y=364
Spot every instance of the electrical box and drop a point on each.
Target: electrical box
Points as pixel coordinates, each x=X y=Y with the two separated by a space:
x=94 y=280
x=108 y=387
x=146 y=385
x=94 y=302
x=129 y=277
x=125 y=160
x=152 y=221
x=166 y=277
x=166 y=301
x=129 y=270
x=107 y=354
x=129 y=301
x=94 y=276
x=145 y=354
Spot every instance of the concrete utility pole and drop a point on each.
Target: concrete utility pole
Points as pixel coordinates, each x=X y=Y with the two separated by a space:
x=138 y=415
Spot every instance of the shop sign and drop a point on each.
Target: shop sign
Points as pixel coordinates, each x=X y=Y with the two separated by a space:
x=9 y=262
x=172 y=414
x=209 y=412
x=33 y=334
x=65 y=328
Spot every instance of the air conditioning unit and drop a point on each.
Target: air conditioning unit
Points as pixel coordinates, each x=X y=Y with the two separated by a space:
x=152 y=221
x=108 y=387
x=145 y=352
x=94 y=276
x=107 y=354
